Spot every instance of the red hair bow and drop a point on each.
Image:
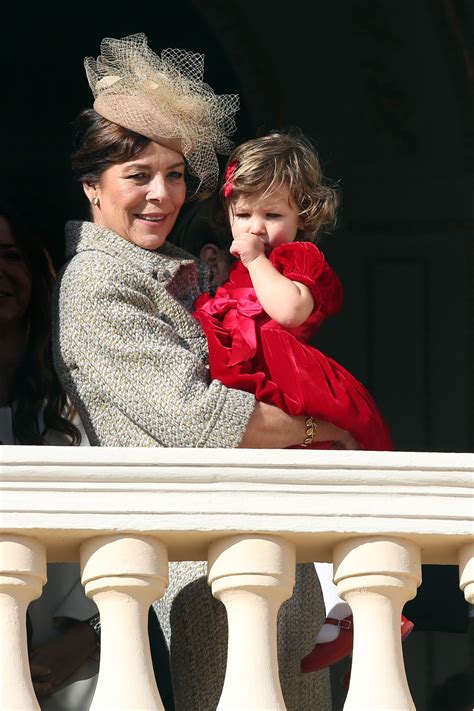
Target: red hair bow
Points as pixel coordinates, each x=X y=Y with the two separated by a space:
x=228 y=175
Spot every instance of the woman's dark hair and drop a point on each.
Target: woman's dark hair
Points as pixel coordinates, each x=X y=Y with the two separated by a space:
x=99 y=143
x=36 y=387
x=197 y=226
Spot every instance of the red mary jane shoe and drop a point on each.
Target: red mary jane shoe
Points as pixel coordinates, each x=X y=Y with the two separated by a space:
x=326 y=654
x=406 y=627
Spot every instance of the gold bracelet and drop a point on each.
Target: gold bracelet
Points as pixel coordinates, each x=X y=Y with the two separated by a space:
x=311 y=426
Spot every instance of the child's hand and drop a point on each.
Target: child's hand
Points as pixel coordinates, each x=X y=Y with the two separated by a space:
x=53 y=662
x=248 y=247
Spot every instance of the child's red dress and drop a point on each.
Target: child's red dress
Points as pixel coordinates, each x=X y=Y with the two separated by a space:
x=249 y=351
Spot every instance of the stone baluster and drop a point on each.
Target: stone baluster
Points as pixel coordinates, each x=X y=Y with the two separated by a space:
x=466 y=571
x=23 y=574
x=124 y=574
x=252 y=575
x=376 y=576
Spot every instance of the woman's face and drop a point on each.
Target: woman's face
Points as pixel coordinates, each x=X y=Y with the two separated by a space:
x=15 y=279
x=141 y=199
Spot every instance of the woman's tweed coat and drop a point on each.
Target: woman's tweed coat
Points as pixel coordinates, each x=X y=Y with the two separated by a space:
x=134 y=362
x=128 y=351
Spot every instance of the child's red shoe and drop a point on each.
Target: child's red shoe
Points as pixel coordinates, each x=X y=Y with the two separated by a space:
x=406 y=628
x=328 y=653
x=325 y=654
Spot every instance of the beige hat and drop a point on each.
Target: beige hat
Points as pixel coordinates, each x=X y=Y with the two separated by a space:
x=165 y=99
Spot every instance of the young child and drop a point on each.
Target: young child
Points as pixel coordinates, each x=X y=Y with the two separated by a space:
x=260 y=321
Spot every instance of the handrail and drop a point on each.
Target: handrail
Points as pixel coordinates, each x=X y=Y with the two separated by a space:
x=251 y=514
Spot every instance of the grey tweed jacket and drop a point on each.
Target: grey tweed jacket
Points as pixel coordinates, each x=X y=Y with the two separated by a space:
x=128 y=351
x=134 y=362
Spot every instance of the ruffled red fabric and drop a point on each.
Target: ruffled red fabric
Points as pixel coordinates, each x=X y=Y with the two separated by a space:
x=250 y=351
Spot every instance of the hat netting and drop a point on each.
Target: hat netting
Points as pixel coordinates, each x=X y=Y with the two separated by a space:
x=165 y=99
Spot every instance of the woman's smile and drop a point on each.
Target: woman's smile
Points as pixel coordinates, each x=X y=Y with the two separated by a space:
x=151 y=217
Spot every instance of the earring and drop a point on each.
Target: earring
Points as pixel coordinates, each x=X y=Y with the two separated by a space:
x=95 y=201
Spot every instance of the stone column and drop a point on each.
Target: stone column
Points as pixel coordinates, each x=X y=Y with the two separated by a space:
x=124 y=575
x=466 y=571
x=376 y=576
x=252 y=575
x=23 y=574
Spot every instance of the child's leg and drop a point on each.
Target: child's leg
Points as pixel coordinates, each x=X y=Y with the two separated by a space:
x=334 y=605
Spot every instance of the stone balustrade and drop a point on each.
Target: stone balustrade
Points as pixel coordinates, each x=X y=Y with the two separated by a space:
x=251 y=513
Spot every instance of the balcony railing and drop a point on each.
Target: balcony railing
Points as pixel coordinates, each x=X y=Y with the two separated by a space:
x=251 y=513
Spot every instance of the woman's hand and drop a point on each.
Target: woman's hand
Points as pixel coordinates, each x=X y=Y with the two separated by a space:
x=327 y=432
x=53 y=662
x=271 y=428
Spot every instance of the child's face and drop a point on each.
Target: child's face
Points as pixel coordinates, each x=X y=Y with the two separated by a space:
x=273 y=218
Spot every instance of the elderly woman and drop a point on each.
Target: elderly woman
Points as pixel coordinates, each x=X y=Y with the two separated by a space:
x=127 y=349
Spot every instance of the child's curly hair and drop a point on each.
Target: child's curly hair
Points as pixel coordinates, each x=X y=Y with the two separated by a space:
x=283 y=160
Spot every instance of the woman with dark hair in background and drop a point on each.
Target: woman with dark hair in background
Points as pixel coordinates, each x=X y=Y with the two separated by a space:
x=33 y=406
x=34 y=410
x=201 y=231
